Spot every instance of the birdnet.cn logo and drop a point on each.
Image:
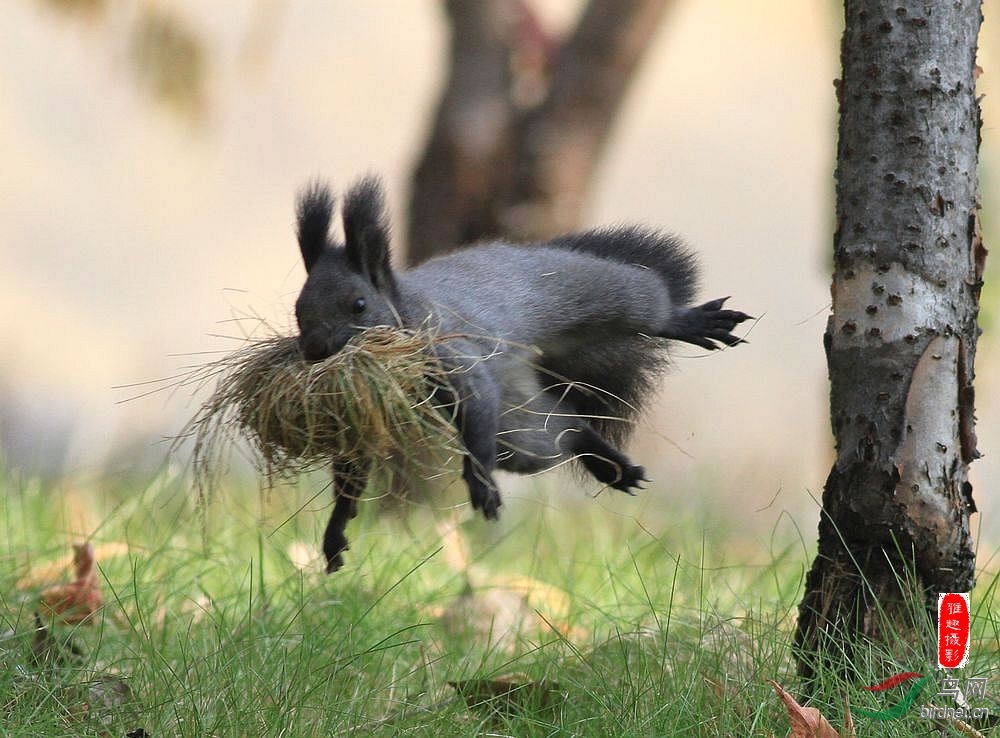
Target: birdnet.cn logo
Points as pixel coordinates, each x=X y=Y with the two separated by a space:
x=954 y=629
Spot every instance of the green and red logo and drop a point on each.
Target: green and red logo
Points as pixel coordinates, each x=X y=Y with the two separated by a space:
x=900 y=708
x=954 y=627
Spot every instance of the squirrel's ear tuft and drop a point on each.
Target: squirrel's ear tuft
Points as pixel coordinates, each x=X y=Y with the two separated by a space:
x=315 y=208
x=366 y=232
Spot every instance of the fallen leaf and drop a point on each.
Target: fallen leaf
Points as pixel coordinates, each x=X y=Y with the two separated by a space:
x=45 y=573
x=554 y=602
x=495 y=615
x=806 y=722
x=79 y=600
x=107 y=692
x=508 y=694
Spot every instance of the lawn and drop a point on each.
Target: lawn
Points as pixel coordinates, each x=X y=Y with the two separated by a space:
x=576 y=615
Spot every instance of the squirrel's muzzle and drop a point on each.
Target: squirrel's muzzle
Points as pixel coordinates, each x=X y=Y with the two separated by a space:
x=316 y=345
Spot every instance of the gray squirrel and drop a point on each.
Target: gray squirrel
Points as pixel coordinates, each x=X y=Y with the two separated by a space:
x=556 y=345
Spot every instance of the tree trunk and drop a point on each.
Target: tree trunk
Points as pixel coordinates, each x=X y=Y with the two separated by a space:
x=901 y=341
x=454 y=185
x=522 y=121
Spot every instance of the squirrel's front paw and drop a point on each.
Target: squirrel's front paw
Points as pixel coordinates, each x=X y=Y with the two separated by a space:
x=630 y=477
x=708 y=325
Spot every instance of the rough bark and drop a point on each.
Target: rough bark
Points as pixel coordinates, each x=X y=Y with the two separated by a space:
x=522 y=121
x=901 y=339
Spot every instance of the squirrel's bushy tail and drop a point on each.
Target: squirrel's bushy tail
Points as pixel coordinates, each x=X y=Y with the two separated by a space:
x=627 y=369
x=663 y=253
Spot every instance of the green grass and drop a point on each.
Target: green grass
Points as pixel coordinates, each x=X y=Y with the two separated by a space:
x=663 y=628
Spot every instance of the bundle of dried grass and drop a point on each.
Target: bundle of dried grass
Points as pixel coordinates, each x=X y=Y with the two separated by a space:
x=373 y=399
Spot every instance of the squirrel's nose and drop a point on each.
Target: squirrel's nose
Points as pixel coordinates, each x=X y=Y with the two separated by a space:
x=314 y=346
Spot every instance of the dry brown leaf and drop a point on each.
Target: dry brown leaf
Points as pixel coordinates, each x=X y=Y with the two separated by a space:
x=508 y=694
x=106 y=693
x=806 y=722
x=79 y=600
x=495 y=615
x=499 y=608
x=48 y=572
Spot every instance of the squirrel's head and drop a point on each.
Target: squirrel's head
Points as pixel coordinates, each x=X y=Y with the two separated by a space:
x=348 y=287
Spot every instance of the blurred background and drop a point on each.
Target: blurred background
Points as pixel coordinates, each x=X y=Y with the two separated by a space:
x=151 y=152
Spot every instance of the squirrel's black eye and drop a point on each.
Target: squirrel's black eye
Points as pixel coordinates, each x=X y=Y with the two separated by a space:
x=358 y=306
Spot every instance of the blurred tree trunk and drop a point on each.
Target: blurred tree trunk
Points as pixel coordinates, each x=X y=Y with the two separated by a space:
x=901 y=341
x=523 y=120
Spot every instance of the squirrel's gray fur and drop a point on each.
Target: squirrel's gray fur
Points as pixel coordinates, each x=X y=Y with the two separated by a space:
x=556 y=345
